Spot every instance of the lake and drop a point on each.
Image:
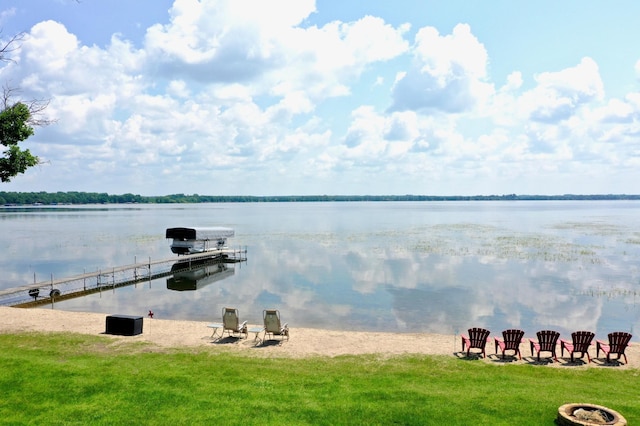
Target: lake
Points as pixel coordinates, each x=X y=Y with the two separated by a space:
x=437 y=267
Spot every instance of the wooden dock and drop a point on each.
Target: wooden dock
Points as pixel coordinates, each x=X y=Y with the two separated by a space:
x=46 y=292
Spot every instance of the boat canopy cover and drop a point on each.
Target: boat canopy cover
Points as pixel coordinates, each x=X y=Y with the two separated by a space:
x=200 y=233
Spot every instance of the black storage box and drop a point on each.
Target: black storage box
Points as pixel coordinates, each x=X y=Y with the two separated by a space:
x=124 y=325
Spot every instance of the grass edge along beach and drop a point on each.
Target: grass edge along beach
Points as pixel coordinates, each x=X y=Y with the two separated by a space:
x=73 y=378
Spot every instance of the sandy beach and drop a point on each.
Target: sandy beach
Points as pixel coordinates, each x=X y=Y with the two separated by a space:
x=304 y=342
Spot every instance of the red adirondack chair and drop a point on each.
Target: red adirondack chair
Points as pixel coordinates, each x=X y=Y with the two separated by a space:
x=477 y=339
x=547 y=340
x=581 y=340
x=618 y=342
x=510 y=341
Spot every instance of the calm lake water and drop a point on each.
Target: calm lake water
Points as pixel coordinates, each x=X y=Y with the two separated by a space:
x=392 y=266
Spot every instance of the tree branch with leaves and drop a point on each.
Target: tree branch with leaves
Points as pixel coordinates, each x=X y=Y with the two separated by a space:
x=14 y=128
x=16 y=121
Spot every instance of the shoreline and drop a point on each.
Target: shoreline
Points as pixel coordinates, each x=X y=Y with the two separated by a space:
x=304 y=342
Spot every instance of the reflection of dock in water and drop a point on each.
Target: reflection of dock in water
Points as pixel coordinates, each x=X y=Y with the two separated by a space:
x=51 y=291
x=198 y=276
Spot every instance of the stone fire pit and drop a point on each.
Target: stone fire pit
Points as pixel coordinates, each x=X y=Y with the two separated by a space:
x=588 y=415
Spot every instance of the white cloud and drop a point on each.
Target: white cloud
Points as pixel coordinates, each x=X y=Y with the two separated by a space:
x=514 y=81
x=633 y=99
x=402 y=126
x=284 y=103
x=179 y=89
x=291 y=104
x=240 y=42
x=448 y=74
x=51 y=46
x=616 y=110
x=323 y=61
x=444 y=57
x=6 y=14
x=559 y=95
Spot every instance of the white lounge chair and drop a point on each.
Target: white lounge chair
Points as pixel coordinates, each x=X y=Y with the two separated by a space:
x=231 y=323
x=272 y=326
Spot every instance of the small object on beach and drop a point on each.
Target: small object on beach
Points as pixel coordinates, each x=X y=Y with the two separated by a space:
x=150 y=313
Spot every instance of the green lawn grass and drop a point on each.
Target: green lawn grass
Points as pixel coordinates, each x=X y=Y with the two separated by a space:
x=77 y=379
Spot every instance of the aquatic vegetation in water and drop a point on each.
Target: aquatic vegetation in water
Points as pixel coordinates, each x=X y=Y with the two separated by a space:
x=611 y=293
x=591 y=228
x=489 y=241
x=633 y=239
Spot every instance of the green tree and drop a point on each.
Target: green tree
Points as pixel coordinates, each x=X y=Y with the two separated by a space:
x=16 y=121
x=14 y=128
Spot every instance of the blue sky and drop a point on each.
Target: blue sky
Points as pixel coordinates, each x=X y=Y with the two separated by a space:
x=263 y=97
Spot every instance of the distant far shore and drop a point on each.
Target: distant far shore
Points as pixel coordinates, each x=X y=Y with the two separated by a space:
x=10 y=199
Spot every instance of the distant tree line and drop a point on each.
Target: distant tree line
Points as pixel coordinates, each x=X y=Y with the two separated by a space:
x=53 y=198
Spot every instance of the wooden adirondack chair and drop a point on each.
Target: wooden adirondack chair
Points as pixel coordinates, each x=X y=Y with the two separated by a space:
x=546 y=342
x=477 y=339
x=581 y=340
x=510 y=341
x=618 y=342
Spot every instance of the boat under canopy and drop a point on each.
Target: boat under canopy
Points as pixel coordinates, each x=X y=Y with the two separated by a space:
x=198 y=239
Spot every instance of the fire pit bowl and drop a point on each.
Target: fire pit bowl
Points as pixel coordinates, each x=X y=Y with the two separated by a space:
x=588 y=415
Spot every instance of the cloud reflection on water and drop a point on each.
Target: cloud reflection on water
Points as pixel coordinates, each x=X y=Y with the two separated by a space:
x=360 y=287
x=359 y=266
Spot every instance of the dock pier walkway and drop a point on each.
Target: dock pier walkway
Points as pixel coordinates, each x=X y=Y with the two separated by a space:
x=53 y=290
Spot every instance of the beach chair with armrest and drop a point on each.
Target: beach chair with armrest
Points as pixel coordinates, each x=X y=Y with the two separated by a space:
x=273 y=326
x=547 y=340
x=618 y=342
x=231 y=323
x=580 y=342
x=510 y=341
x=477 y=339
